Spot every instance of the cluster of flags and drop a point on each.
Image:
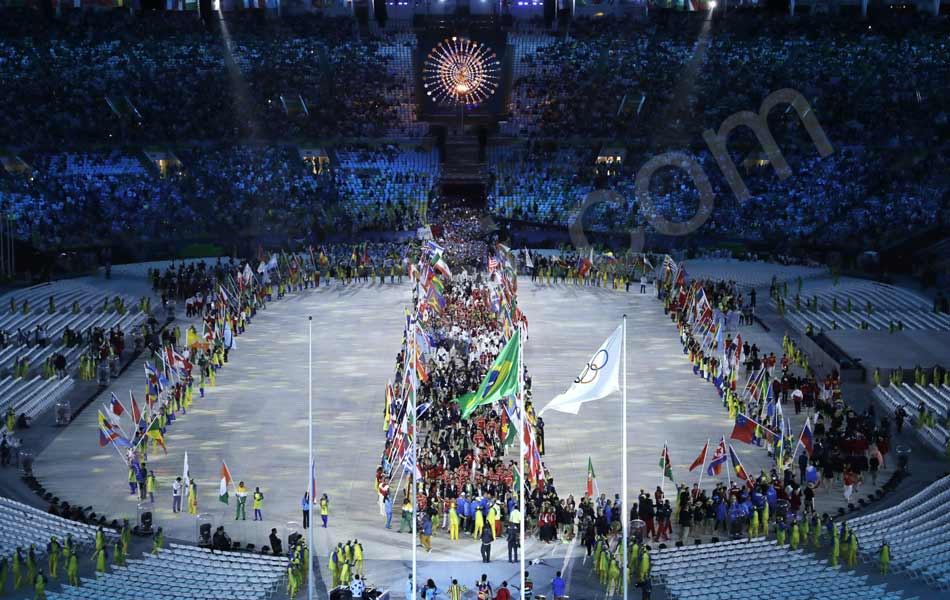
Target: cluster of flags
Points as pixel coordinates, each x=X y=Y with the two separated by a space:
x=431 y=275
x=143 y=425
x=770 y=425
x=503 y=288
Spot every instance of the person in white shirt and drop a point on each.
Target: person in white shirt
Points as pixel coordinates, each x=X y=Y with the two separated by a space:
x=357 y=587
x=176 y=495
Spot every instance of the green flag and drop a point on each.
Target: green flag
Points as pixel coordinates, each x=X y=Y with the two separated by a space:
x=500 y=382
x=666 y=464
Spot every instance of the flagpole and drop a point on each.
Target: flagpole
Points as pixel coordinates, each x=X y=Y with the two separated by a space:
x=112 y=443
x=666 y=457
x=728 y=466
x=412 y=475
x=521 y=454
x=310 y=466
x=625 y=515
x=703 y=468
x=117 y=423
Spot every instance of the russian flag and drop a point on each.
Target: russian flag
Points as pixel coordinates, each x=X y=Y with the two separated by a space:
x=807 y=439
x=744 y=429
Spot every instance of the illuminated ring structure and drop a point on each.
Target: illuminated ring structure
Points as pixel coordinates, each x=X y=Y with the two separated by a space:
x=461 y=71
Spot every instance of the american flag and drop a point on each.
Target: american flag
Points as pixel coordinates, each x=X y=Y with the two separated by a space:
x=492 y=265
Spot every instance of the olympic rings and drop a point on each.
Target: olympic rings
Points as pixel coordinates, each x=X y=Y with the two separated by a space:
x=598 y=362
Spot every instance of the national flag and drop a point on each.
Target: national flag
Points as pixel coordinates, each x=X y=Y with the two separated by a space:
x=422 y=408
x=600 y=377
x=387 y=415
x=583 y=267
x=121 y=442
x=492 y=265
x=116 y=406
x=185 y=475
x=744 y=429
x=435 y=283
x=409 y=461
x=527 y=259
x=313 y=481
x=807 y=439
x=226 y=483
x=136 y=413
x=420 y=367
x=439 y=264
x=718 y=459
x=106 y=431
x=155 y=432
x=500 y=381
x=431 y=248
x=591 y=480
x=666 y=464
x=435 y=300
x=224 y=294
x=737 y=465
x=113 y=420
x=701 y=459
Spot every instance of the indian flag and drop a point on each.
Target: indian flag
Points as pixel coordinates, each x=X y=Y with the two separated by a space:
x=225 y=483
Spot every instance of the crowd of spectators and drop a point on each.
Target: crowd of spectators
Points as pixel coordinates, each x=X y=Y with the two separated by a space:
x=169 y=78
x=646 y=86
x=81 y=198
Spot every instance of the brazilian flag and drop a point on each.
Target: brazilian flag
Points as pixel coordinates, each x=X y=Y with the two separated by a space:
x=500 y=382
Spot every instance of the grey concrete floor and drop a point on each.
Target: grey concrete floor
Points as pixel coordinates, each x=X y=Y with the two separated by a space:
x=256 y=421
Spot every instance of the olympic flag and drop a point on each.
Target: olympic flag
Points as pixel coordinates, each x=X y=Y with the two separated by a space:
x=600 y=377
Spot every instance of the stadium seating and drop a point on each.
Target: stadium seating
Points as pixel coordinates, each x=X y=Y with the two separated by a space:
x=711 y=572
x=935 y=398
x=22 y=525
x=34 y=396
x=78 y=307
x=396 y=50
x=185 y=572
x=917 y=531
x=746 y=273
x=385 y=185
x=890 y=305
x=538 y=187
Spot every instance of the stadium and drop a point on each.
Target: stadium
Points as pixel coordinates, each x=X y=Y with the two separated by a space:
x=474 y=300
